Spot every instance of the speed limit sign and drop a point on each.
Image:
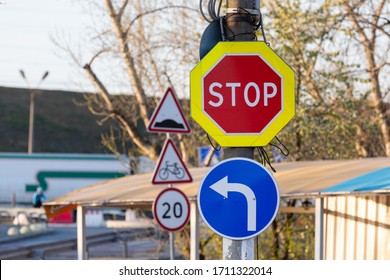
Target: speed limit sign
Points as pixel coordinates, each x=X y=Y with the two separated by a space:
x=171 y=209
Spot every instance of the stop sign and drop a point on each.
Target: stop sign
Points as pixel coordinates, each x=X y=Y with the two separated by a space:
x=242 y=93
x=246 y=97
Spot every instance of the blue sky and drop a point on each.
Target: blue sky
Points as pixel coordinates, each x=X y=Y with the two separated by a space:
x=26 y=27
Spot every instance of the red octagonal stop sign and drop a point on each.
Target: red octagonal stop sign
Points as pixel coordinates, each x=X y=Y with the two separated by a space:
x=242 y=94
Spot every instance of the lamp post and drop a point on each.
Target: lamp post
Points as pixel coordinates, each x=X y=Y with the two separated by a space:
x=32 y=92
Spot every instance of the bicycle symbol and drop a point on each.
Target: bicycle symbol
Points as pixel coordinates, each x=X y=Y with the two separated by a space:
x=171 y=168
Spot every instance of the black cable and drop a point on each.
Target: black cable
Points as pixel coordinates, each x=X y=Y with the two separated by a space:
x=201 y=11
x=286 y=152
x=267 y=159
x=260 y=24
x=213 y=14
x=219 y=8
x=212 y=145
x=234 y=35
x=264 y=158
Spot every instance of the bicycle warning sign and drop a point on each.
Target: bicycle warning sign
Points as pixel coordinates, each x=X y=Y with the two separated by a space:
x=170 y=168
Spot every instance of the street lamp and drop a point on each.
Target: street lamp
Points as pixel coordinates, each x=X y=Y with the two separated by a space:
x=32 y=92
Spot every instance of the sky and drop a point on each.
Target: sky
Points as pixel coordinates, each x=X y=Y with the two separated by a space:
x=26 y=29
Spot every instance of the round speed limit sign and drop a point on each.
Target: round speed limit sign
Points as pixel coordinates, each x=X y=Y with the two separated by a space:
x=171 y=209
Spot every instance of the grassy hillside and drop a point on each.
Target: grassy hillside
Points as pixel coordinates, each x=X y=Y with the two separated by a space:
x=61 y=126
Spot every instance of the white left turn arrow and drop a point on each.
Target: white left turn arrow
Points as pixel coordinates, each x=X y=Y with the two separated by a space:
x=223 y=187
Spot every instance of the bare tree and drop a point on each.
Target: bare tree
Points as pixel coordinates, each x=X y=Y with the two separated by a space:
x=149 y=41
x=370 y=24
x=300 y=33
x=319 y=42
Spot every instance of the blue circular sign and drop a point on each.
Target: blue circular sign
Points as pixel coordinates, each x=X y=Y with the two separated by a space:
x=238 y=198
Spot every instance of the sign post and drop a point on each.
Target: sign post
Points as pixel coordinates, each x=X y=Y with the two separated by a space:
x=168 y=117
x=171 y=210
x=242 y=94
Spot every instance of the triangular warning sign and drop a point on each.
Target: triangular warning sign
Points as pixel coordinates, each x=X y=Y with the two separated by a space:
x=170 y=168
x=168 y=116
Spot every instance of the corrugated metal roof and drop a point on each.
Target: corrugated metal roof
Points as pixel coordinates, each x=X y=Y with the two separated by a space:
x=373 y=181
x=295 y=179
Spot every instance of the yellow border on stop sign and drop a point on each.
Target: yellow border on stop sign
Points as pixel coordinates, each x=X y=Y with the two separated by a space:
x=238 y=139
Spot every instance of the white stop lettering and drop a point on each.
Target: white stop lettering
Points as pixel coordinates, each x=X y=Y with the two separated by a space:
x=269 y=91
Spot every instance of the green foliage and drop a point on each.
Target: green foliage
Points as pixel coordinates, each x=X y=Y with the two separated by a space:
x=290 y=237
x=210 y=244
x=332 y=117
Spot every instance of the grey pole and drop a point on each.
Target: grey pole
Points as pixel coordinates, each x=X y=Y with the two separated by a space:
x=241 y=27
x=81 y=235
x=319 y=229
x=239 y=249
x=13 y=199
x=171 y=234
x=32 y=109
x=194 y=223
x=171 y=245
x=31 y=122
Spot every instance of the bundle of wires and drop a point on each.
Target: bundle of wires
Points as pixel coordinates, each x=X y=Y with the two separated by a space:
x=214 y=13
x=212 y=10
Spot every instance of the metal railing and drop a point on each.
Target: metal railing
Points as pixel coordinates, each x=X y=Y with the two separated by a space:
x=42 y=249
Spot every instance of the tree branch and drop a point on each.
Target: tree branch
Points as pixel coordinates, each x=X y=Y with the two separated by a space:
x=378 y=12
x=146 y=149
x=155 y=11
x=100 y=87
x=97 y=54
x=122 y=10
x=129 y=61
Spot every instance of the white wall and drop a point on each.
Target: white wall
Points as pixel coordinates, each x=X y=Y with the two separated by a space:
x=19 y=170
x=357 y=227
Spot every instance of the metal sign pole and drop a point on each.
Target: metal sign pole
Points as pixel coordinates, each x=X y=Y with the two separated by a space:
x=240 y=28
x=171 y=234
x=171 y=245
